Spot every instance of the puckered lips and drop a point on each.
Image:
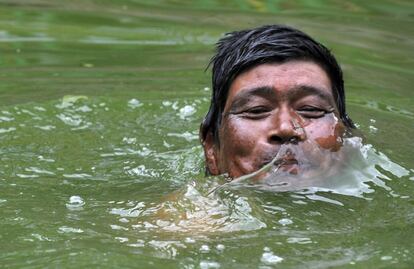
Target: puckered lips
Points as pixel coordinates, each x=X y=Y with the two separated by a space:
x=287 y=161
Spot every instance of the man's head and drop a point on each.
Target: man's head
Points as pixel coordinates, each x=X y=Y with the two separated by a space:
x=272 y=85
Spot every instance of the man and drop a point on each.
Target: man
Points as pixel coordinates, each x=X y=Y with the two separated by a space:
x=278 y=98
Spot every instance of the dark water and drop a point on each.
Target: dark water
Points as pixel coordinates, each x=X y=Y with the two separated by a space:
x=100 y=165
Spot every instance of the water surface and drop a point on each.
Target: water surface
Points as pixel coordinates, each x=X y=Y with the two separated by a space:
x=100 y=104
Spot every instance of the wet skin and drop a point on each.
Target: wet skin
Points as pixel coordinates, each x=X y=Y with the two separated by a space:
x=271 y=105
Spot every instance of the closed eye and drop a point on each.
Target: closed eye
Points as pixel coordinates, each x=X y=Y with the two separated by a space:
x=312 y=112
x=256 y=112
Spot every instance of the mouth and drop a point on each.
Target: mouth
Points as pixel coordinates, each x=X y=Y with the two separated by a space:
x=285 y=161
x=290 y=165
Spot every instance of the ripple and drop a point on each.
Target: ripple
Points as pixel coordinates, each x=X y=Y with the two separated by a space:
x=186 y=135
x=66 y=229
x=80 y=176
x=7 y=130
x=299 y=240
x=4 y=118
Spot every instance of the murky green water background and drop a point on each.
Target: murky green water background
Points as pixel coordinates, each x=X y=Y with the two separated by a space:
x=100 y=103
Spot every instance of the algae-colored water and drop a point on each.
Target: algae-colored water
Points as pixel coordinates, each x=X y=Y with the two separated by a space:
x=100 y=164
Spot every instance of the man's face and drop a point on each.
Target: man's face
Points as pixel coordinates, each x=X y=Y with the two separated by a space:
x=270 y=106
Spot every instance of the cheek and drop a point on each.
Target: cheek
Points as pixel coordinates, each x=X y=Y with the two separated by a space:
x=238 y=138
x=327 y=134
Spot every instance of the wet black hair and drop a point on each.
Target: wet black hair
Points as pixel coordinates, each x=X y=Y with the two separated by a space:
x=241 y=50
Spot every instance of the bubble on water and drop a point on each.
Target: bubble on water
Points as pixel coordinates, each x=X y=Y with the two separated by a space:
x=186 y=111
x=270 y=258
x=285 y=221
x=209 y=264
x=220 y=247
x=75 y=203
x=87 y=65
x=118 y=227
x=166 y=103
x=373 y=129
x=204 y=249
x=189 y=240
x=122 y=239
x=134 y=103
x=129 y=140
x=66 y=229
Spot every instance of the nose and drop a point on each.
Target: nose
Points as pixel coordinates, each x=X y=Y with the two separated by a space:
x=286 y=127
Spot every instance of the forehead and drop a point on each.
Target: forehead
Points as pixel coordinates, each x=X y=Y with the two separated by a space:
x=282 y=77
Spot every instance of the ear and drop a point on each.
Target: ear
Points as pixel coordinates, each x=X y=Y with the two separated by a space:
x=211 y=155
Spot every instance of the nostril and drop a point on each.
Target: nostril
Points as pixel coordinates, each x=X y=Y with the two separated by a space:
x=276 y=139
x=280 y=140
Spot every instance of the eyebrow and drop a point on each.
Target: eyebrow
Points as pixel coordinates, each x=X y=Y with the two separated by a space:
x=245 y=95
x=268 y=92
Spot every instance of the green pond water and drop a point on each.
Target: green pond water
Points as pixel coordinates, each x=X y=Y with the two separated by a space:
x=101 y=167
